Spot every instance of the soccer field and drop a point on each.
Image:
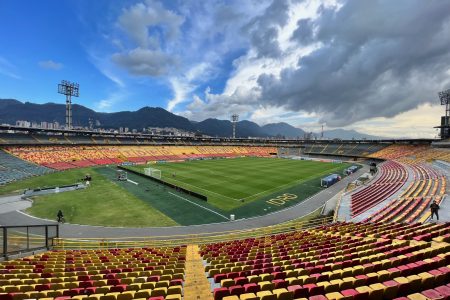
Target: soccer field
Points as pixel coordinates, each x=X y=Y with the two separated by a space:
x=233 y=183
x=244 y=187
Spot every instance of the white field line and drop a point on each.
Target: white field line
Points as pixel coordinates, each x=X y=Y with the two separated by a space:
x=271 y=189
x=215 y=212
x=134 y=182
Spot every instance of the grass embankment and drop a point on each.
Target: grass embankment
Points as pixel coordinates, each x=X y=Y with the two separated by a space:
x=103 y=203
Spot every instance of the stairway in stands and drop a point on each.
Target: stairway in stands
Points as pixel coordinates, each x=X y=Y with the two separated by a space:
x=196 y=286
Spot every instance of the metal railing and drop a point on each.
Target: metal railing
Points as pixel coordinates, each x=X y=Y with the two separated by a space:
x=176 y=240
x=26 y=238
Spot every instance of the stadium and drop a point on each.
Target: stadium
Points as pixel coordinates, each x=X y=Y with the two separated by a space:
x=147 y=204
x=261 y=215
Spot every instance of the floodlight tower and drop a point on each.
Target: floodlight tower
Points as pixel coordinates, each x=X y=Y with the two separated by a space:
x=234 y=120
x=444 y=97
x=69 y=89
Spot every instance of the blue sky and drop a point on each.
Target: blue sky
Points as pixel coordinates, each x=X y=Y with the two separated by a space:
x=342 y=63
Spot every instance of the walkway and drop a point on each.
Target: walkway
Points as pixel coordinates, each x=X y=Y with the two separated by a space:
x=196 y=286
x=77 y=231
x=12 y=203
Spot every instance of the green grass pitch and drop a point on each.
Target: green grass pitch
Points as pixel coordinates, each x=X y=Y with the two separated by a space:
x=245 y=187
x=231 y=184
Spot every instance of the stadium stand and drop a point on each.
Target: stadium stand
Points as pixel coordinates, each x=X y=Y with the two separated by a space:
x=13 y=168
x=390 y=255
x=67 y=157
x=412 y=205
x=412 y=153
x=109 y=274
x=340 y=261
x=344 y=149
x=7 y=138
x=335 y=261
x=392 y=177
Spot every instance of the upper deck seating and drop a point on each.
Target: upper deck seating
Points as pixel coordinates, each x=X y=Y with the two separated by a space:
x=65 y=157
x=13 y=168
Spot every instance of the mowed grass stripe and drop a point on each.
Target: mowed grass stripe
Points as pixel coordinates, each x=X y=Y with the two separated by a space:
x=259 y=180
x=227 y=181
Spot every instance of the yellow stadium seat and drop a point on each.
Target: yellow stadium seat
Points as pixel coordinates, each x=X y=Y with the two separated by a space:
x=377 y=291
x=25 y=288
x=266 y=295
x=143 y=294
x=427 y=280
x=266 y=277
x=134 y=287
x=417 y=296
x=329 y=287
x=161 y=291
x=415 y=282
x=173 y=290
x=383 y=275
x=102 y=290
x=227 y=282
x=293 y=280
x=283 y=294
x=36 y=295
x=266 y=285
x=253 y=279
x=173 y=297
x=148 y=285
x=234 y=297
x=334 y=296
x=54 y=294
x=248 y=296
x=163 y=283
x=94 y=297
x=125 y=296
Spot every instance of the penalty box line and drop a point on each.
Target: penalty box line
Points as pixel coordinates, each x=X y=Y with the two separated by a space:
x=215 y=212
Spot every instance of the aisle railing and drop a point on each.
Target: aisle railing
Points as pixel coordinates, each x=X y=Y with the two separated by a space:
x=20 y=239
x=175 y=240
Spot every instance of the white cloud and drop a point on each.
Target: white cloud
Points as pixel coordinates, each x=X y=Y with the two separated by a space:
x=186 y=47
x=415 y=123
x=266 y=115
x=8 y=69
x=181 y=88
x=144 y=62
x=140 y=18
x=104 y=105
x=107 y=104
x=50 y=65
x=152 y=29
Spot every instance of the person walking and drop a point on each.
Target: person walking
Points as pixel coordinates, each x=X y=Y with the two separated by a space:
x=60 y=216
x=434 y=207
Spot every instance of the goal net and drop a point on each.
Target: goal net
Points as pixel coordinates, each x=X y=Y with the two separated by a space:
x=153 y=172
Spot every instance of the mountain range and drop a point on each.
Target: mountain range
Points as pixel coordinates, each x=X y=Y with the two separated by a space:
x=12 y=110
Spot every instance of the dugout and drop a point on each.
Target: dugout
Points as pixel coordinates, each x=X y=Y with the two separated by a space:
x=329 y=180
x=350 y=170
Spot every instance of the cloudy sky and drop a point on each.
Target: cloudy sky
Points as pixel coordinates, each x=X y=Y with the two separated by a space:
x=371 y=65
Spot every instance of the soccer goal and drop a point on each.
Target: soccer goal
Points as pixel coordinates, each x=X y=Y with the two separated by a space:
x=153 y=172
